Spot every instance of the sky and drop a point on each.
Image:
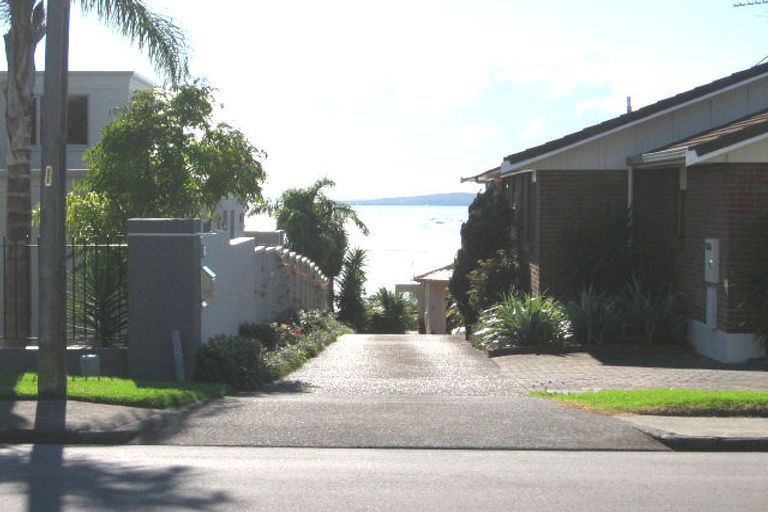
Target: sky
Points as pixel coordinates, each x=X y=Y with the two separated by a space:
x=398 y=98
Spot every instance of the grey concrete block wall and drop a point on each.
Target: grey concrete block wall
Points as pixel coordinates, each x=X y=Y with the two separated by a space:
x=164 y=261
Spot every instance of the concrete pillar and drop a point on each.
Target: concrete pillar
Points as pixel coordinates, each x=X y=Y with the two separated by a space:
x=164 y=257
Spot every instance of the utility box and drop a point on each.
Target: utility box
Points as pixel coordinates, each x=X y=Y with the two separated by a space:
x=712 y=260
x=90 y=365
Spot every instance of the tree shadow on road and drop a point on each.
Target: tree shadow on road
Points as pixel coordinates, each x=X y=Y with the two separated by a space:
x=52 y=479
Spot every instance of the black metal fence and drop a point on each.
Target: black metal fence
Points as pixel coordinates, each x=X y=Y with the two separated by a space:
x=97 y=306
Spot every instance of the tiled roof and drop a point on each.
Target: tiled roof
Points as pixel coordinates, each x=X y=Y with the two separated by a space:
x=442 y=274
x=638 y=114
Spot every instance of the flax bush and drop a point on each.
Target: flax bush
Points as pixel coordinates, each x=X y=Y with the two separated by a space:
x=522 y=321
x=596 y=317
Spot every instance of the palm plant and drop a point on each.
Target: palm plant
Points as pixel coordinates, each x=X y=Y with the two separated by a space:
x=316 y=225
x=166 y=48
x=350 y=303
x=391 y=313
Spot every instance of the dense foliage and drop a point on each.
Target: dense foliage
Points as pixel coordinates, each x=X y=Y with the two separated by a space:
x=349 y=300
x=262 y=353
x=596 y=317
x=519 y=321
x=164 y=156
x=759 y=287
x=494 y=278
x=391 y=313
x=651 y=315
x=596 y=253
x=316 y=225
x=486 y=231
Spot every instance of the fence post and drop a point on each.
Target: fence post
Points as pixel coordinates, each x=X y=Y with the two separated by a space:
x=164 y=262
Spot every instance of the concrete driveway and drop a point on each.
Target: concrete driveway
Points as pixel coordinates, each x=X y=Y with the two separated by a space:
x=398 y=392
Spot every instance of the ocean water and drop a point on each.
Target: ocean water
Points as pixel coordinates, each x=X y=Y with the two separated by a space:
x=404 y=241
x=407 y=241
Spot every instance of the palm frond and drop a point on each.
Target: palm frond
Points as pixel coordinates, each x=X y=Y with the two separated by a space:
x=162 y=39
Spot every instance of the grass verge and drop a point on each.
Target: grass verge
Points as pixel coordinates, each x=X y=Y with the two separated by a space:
x=669 y=402
x=108 y=390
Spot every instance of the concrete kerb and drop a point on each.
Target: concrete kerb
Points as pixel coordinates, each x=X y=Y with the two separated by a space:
x=116 y=429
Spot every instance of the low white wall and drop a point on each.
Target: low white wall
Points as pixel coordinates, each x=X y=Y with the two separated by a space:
x=256 y=284
x=234 y=299
x=724 y=346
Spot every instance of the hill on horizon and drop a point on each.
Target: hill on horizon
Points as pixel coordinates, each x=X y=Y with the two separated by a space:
x=450 y=199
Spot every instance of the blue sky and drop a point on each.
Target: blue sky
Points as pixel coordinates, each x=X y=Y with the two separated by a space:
x=405 y=97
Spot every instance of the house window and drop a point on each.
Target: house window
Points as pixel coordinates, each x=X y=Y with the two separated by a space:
x=34 y=121
x=77 y=120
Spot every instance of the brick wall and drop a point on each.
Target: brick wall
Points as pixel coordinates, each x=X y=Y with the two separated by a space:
x=566 y=198
x=655 y=231
x=703 y=218
x=724 y=201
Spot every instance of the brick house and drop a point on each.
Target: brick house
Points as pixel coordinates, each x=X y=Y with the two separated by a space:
x=693 y=171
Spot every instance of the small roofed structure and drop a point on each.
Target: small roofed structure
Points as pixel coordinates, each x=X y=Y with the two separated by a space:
x=435 y=284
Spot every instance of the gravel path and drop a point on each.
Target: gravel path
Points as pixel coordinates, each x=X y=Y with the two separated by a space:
x=399 y=392
x=400 y=365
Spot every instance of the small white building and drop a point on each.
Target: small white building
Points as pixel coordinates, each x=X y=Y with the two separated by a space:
x=435 y=285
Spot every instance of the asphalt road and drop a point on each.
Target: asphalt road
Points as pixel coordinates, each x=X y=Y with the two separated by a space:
x=398 y=392
x=52 y=478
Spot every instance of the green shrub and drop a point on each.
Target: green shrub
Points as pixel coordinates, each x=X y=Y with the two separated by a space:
x=391 y=313
x=265 y=333
x=235 y=360
x=651 y=316
x=596 y=318
x=246 y=362
x=522 y=321
x=487 y=229
x=494 y=278
x=759 y=284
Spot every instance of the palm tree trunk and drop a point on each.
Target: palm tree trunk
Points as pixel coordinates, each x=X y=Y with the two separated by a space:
x=20 y=53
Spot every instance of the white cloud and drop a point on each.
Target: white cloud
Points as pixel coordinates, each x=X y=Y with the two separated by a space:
x=534 y=128
x=373 y=94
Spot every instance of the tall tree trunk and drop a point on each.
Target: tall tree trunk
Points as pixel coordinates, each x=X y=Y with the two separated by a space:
x=20 y=44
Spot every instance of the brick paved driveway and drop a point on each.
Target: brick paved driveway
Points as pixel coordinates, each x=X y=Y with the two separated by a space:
x=582 y=371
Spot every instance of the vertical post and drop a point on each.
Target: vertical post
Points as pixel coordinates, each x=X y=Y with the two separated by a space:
x=52 y=380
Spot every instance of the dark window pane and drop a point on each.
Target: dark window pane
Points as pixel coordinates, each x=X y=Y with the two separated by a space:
x=34 y=121
x=77 y=120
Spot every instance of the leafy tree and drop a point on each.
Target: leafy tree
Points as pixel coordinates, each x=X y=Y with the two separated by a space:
x=486 y=231
x=315 y=225
x=25 y=19
x=164 y=157
x=350 y=302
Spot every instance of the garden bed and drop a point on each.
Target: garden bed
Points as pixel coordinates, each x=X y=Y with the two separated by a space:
x=570 y=348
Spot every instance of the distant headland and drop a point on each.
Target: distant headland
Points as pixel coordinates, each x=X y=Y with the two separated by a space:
x=451 y=199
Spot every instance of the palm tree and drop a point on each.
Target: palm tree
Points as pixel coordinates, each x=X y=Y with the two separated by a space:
x=165 y=46
x=351 y=306
x=316 y=225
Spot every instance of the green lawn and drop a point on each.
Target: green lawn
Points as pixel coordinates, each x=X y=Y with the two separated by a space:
x=107 y=390
x=670 y=402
